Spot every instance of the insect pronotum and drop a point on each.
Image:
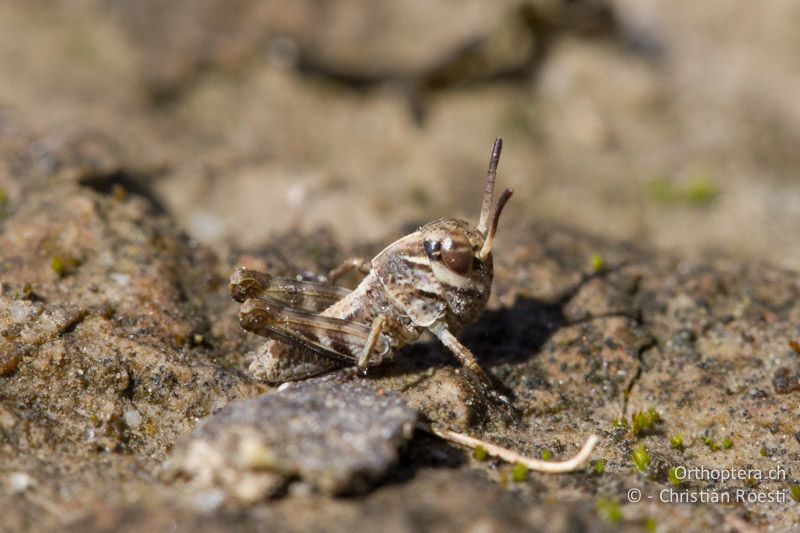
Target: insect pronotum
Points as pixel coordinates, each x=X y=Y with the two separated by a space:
x=437 y=278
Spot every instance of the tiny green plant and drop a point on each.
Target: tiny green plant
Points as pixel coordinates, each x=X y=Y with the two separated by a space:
x=727 y=443
x=609 y=510
x=480 y=453
x=600 y=466
x=712 y=445
x=597 y=262
x=794 y=490
x=640 y=458
x=676 y=441
x=58 y=266
x=63 y=264
x=644 y=421
x=701 y=190
x=618 y=423
x=547 y=454
x=520 y=472
x=673 y=478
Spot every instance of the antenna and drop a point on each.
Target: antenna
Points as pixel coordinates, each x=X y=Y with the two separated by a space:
x=487 y=243
x=488 y=193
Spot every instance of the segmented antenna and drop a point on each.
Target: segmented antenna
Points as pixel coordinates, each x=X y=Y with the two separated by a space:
x=488 y=193
x=487 y=243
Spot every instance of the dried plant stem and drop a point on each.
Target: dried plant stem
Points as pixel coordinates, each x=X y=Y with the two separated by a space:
x=536 y=465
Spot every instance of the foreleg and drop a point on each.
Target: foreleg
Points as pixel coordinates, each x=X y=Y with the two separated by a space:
x=372 y=341
x=462 y=353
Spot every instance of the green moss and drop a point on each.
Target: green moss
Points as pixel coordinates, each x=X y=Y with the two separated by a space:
x=547 y=454
x=618 y=423
x=600 y=466
x=676 y=441
x=700 y=190
x=480 y=453
x=3 y=197
x=672 y=476
x=794 y=490
x=597 y=262
x=609 y=510
x=23 y=293
x=63 y=264
x=650 y=524
x=640 y=458
x=644 y=421
x=727 y=443
x=763 y=452
x=57 y=264
x=712 y=445
x=520 y=472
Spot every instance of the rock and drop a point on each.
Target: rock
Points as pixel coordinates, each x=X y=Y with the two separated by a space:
x=448 y=398
x=335 y=434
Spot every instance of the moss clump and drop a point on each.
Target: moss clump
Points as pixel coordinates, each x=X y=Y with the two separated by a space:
x=63 y=264
x=794 y=491
x=600 y=466
x=480 y=453
x=619 y=423
x=58 y=266
x=727 y=443
x=643 y=421
x=609 y=510
x=547 y=454
x=640 y=458
x=672 y=476
x=650 y=524
x=763 y=452
x=699 y=190
x=597 y=262
x=712 y=445
x=676 y=441
x=520 y=472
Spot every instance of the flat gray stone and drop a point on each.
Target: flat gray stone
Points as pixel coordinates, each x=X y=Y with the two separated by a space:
x=336 y=434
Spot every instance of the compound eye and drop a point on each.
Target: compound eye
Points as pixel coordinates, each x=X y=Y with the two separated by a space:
x=457 y=255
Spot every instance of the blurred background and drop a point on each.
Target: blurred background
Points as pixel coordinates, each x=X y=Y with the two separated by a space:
x=673 y=124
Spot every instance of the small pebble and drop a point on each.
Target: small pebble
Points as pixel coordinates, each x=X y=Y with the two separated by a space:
x=19 y=482
x=132 y=418
x=18 y=311
x=120 y=279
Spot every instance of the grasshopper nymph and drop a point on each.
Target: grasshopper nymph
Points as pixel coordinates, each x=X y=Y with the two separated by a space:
x=437 y=278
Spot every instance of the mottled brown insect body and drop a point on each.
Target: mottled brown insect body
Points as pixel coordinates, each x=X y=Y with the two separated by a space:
x=437 y=278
